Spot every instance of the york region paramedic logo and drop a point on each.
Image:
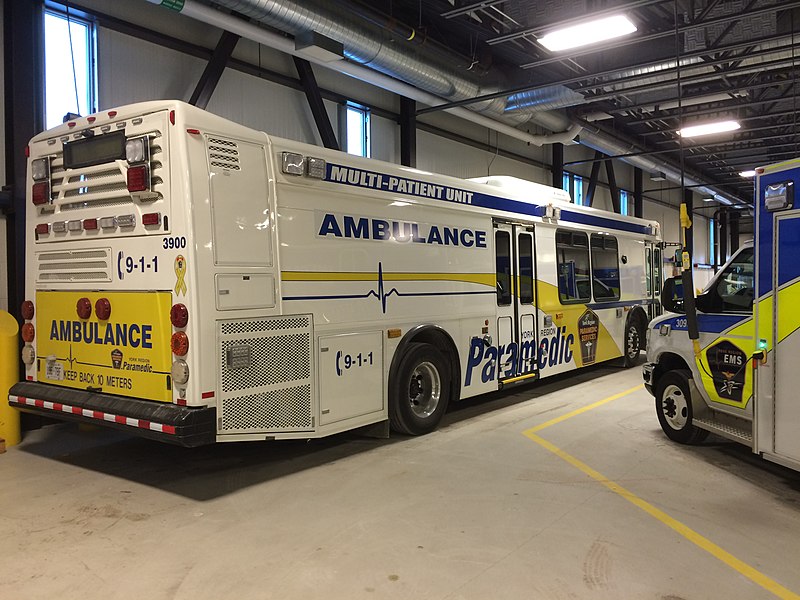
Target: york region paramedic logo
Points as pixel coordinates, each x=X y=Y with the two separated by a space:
x=116 y=358
x=588 y=329
x=727 y=364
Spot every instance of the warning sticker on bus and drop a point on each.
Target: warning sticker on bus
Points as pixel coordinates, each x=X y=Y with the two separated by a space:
x=126 y=353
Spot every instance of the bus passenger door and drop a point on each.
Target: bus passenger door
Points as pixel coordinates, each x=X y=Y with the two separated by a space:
x=516 y=313
x=653 y=273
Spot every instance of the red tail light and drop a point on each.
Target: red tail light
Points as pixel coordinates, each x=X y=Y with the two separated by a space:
x=179 y=343
x=179 y=315
x=138 y=178
x=27 y=310
x=28 y=332
x=84 y=308
x=90 y=223
x=102 y=309
x=43 y=228
x=41 y=192
x=151 y=219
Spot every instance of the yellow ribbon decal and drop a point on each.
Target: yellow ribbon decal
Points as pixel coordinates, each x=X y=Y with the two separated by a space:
x=180 y=272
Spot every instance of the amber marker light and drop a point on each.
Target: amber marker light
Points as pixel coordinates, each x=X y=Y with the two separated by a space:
x=28 y=332
x=179 y=343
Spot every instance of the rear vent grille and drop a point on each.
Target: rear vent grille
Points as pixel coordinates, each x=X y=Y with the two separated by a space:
x=272 y=393
x=76 y=265
x=223 y=154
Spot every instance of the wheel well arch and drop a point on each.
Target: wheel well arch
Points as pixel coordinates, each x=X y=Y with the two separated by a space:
x=438 y=337
x=638 y=316
x=669 y=361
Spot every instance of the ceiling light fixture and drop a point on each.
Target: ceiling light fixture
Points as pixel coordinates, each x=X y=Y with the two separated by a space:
x=709 y=128
x=587 y=33
x=747 y=174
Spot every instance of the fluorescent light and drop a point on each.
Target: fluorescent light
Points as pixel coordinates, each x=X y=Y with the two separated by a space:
x=587 y=33
x=747 y=174
x=709 y=128
x=708 y=199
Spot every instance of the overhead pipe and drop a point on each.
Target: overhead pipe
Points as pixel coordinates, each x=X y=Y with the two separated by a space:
x=302 y=17
x=210 y=16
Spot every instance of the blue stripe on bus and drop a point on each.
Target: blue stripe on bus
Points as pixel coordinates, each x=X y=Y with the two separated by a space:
x=376 y=180
x=706 y=323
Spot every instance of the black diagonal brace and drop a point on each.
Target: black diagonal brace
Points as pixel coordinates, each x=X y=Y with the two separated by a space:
x=214 y=69
x=314 y=97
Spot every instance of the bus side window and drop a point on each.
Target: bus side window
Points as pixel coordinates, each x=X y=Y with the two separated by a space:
x=572 y=259
x=525 y=245
x=502 y=245
x=605 y=268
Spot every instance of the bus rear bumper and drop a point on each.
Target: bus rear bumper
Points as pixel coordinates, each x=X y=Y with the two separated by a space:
x=160 y=421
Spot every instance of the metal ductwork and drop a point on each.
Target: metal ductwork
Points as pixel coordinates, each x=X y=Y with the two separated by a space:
x=403 y=70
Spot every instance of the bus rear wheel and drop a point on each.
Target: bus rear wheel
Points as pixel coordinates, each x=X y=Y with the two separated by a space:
x=674 y=408
x=419 y=391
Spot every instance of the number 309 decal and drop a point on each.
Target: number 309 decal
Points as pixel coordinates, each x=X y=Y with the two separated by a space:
x=174 y=242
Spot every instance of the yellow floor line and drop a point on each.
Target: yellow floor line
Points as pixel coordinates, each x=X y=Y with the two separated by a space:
x=726 y=557
x=583 y=410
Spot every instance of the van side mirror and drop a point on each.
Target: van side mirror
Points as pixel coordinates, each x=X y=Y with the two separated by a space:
x=672 y=295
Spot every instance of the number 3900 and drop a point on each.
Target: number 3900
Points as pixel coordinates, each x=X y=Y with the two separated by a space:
x=174 y=242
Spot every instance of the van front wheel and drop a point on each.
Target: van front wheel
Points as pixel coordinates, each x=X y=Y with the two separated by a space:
x=674 y=408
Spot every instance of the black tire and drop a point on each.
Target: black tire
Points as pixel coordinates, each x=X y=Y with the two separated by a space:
x=419 y=390
x=674 y=408
x=632 y=343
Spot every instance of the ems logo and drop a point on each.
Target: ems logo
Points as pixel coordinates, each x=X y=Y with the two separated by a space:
x=588 y=330
x=116 y=358
x=727 y=363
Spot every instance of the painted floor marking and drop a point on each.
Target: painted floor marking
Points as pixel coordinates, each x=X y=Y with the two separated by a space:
x=702 y=542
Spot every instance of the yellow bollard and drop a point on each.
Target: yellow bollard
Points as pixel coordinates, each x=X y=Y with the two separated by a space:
x=9 y=375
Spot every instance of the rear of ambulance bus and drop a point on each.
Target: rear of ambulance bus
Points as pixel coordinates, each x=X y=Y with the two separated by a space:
x=106 y=327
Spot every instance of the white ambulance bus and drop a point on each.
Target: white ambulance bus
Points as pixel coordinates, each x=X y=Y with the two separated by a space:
x=192 y=280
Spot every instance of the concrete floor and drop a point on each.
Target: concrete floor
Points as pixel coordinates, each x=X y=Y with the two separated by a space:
x=477 y=510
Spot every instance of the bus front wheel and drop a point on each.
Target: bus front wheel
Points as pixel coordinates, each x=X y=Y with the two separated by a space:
x=674 y=408
x=419 y=391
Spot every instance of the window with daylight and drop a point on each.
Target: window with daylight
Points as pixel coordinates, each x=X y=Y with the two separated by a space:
x=624 y=198
x=69 y=66
x=358 y=130
x=577 y=183
x=566 y=183
x=712 y=248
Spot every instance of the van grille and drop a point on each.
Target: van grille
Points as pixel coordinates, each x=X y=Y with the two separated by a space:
x=75 y=265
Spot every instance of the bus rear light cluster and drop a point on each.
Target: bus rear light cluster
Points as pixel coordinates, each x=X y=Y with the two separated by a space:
x=151 y=219
x=102 y=309
x=84 y=308
x=28 y=332
x=138 y=178
x=41 y=193
x=179 y=315
x=179 y=343
x=105 y=223
x=27 y=310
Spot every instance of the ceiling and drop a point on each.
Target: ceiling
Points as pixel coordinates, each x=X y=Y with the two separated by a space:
x=689 y=61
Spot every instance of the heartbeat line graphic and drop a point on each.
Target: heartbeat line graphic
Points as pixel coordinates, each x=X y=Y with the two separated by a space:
x=382 y=294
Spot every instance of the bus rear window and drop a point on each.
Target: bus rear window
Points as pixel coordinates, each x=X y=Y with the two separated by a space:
x=96 y=150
